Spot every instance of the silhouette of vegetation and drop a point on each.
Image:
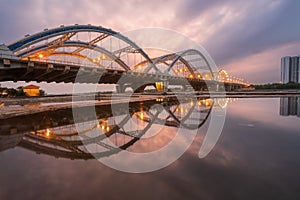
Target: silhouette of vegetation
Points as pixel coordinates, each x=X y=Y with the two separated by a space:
x=277 y=86
x=19 y=92
x=42 y=93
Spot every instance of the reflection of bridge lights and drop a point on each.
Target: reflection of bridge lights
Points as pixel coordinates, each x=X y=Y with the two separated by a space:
x=222 y=102
x=103 y=125
x=207 y=102
x=199 y=103
x=192 y=103
x=159 y=99
x=48 y=132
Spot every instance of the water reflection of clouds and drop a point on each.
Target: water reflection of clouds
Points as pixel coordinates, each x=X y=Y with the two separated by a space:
x=56 y=136
x=257 y=163
x=263 y=110
x=248 y=163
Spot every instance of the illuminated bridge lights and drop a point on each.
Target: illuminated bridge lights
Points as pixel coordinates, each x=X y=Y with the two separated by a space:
x=98 y=47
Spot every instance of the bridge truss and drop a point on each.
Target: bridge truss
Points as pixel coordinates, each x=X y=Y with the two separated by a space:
x=95 y=46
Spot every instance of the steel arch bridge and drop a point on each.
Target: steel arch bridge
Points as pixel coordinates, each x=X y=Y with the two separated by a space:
x=60 y=54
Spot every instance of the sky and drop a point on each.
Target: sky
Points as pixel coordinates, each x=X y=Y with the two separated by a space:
x=246 y=38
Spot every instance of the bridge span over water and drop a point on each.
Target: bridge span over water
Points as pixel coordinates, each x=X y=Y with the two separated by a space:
x=93 y=54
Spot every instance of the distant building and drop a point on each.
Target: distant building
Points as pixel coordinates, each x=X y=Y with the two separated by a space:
x=290 y=106
x=32 y=90
x=290 y=69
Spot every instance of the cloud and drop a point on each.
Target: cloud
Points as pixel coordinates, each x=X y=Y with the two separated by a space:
x=231 y=31
x=250 y=33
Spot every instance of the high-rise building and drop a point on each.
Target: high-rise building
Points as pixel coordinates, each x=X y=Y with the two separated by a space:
x=290 y=106
x=290 y=69
x=285 y=69
x=284 y=106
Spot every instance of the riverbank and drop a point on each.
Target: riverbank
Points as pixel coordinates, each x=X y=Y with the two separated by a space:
x=12 y=107
x=90 y=97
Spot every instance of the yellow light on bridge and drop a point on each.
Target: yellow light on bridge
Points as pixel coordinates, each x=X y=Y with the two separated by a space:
x=139 y=67
x=107 y=128
x=41 y=55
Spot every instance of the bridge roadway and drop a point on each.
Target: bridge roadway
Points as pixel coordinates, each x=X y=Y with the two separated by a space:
x=14 y=69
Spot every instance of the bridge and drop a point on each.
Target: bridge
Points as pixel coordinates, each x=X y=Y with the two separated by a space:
x=94 y=54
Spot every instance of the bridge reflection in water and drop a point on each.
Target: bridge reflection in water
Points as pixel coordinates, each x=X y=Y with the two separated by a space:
x=57 y=134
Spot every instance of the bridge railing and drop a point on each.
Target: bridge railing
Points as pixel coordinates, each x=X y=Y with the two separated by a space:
x=79 y=64
x=8 y=56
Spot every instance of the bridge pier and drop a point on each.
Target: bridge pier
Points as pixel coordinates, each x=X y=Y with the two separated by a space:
x=232 y=87
x=161 y=86
x=121 y=88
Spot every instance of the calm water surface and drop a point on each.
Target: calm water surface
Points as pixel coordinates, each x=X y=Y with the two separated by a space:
x=256 y=157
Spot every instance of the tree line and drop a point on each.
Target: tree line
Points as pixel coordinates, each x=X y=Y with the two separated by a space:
x=277 y=86
x=12 y=92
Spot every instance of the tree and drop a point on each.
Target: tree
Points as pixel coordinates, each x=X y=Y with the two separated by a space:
x=20 y=92
x=11 y=92
x=42 y=93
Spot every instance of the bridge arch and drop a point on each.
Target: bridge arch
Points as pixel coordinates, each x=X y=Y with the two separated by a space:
x=42 y=48
x=116 y=46
x=193 y=69
x=171 y=60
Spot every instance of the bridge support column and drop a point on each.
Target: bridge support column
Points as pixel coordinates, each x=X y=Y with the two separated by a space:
x=161 y=86
x=121 y=88
x=139 y=89
x=228 y=88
